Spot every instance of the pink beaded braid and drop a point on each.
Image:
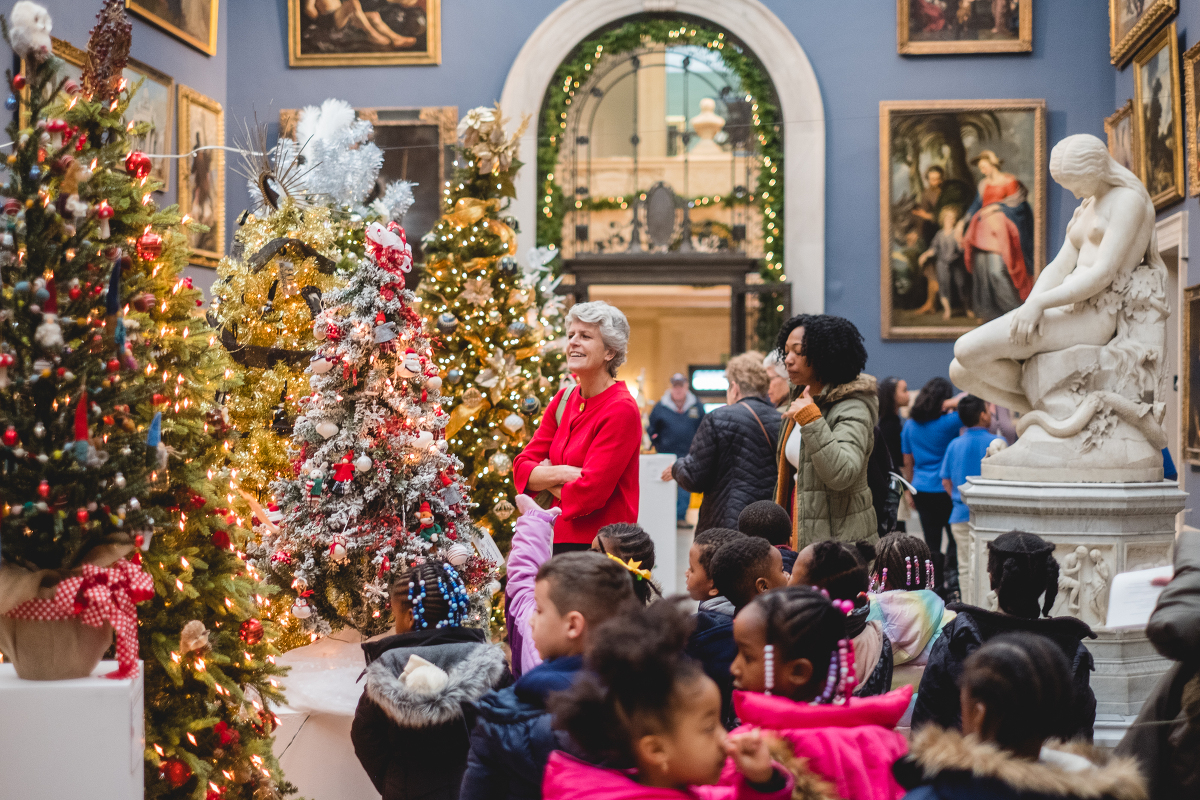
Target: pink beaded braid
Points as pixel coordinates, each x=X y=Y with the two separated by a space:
x=841 y=679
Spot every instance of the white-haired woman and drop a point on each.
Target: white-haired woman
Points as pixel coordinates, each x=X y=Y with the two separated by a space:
x=1076 y=299
x=585 y=451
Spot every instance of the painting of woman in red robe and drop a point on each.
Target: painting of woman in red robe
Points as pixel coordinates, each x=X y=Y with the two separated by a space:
x=997 y=240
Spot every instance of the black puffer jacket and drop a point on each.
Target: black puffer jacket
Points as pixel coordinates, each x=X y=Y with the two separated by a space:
x=731 y=461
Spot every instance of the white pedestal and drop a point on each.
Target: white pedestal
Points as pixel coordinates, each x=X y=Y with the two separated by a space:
x=312 y=742
x=656 y=515
x=1099 y=530
x=71 y=739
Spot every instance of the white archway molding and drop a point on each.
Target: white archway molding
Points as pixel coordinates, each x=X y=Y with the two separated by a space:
x=795 y=82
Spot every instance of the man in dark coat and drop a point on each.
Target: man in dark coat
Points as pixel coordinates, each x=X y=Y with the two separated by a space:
x=673 y=424
x=732 y=458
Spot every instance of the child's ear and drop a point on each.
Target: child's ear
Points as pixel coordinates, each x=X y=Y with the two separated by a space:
x=712 y=590
x=576 y=624
x=798 y=672
x=762 y=585
x=651 y=750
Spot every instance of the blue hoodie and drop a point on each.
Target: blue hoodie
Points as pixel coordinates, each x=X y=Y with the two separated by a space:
x=513 y=738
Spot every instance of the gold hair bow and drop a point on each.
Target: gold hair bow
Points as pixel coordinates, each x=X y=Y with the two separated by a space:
x=633 y=566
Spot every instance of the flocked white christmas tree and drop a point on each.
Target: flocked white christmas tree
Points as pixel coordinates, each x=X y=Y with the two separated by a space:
x=377 y=490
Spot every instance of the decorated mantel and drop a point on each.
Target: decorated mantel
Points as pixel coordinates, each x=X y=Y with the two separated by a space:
x=1082 y=361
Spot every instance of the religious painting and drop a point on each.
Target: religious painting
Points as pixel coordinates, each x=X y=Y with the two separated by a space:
x=1191 y=109
x=1158 y=118
x=191 y=21
x=1132 y=22
x=962 y=212
x=341 y=33
x=154 y=102
x=202 y=173
x=418 y=146
x=1191 y=375
x=1121 y=140
x=926 y=27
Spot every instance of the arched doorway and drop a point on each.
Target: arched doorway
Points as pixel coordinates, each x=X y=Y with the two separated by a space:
x=790 y=70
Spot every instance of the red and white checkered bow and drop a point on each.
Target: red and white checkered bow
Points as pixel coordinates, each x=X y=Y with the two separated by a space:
x=99 y=596
x=389 y=247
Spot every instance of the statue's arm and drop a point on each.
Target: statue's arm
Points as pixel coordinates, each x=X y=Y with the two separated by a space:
x=1057 y=270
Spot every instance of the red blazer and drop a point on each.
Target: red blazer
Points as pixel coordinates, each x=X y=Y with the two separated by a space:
x=603 y=438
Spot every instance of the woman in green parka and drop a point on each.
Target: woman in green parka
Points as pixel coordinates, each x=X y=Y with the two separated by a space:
x=828 y=432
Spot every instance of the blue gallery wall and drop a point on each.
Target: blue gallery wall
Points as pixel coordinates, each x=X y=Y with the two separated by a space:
x=73 y=19
x=852 y=46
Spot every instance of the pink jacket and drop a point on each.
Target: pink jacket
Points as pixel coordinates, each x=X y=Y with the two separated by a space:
x=567 y=778
x=532 y=546
x=852 y=746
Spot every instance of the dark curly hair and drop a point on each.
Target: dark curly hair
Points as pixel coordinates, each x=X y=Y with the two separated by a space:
x=1022 y=568
x=595 y=586
x=628 y=542
x=709 y=542
x=890 y=554
x=768 y=520
x=833 y=346
x=1024 y=682
x=929 y=402
x=635 y=678
x=737 y=566
x=841 y=569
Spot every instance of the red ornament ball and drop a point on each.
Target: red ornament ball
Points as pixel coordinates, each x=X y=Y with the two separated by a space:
x=149 y=246
x=44 y=489
x=81 y=514
x=220 y=540
x=18 y=82
x=251 y=631
x=158 y=399
x=10 y=436
x=138 y=164
x=175 y=772
x=75 y=293
x=113 y=365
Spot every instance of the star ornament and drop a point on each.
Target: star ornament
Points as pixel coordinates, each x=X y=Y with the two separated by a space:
x=633 y=566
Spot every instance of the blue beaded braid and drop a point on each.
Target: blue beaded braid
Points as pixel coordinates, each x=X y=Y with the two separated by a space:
x=418 y=604
x=456 y=598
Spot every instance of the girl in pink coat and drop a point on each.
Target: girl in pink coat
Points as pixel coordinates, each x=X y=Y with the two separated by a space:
x=794 y=675
x=651 y=715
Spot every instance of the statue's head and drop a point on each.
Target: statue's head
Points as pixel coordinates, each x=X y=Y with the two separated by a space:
x=1082 y=163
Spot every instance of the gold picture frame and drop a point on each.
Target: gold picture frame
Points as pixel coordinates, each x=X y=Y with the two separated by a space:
x=1162 y=172
x=181 y=27
x=913 y=135
x=1190 y=417
x=329 y=41
x=1122 y=138
x=155 y=103
x=1129 y=30
x=908 y=42
x=1191 y=84
x=202 y=174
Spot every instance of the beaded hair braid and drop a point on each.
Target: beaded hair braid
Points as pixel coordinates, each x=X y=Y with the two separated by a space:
x=437 y=596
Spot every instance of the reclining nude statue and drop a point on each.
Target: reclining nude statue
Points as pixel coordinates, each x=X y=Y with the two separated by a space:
x=1081 y=359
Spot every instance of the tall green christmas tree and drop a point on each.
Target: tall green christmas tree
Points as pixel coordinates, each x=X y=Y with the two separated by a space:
x=111 y=437
x=498 y=324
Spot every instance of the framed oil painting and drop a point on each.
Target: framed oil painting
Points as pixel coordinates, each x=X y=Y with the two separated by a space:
x=191 y=21
x=1191 y=376
x=341 y=33
x=153 y=103
x=1158 y=118
x=418 y=146
x=202 y=174
x=1191 y=84
x=1122 y=141
x=1131 y=23
x=962 y=212
x=927 y=27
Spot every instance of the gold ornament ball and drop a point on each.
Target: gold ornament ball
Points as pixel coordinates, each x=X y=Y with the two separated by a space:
x=500 y=463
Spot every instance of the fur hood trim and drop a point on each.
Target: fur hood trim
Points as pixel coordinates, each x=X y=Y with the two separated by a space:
x=469 y=680
x=863 y=385
x=936 y=750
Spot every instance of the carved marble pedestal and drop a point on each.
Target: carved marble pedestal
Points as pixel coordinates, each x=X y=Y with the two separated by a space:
x=1099 y=529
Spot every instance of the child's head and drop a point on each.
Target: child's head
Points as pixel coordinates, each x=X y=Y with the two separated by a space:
x=1021 y=567
x=643 y=704
x=574 y=593
x=699 y=580
x=745 y=567
x=902 y=562
x=806 y=632
x=1016 y=691
x=629 y=542
x=973 y=412
x=767 y=520
x=948 y=216
x=840 y=569
x=428 y=595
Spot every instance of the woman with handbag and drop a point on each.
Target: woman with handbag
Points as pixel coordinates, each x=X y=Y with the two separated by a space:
x=584 y=456
x=732 y=457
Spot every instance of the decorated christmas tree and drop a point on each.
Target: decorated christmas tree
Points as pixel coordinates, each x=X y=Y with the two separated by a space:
x=500 y=325
x=376 y=489
x=110 y=430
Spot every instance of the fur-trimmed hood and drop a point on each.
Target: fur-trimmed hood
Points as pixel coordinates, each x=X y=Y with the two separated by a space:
x=473 y=670
x=1063 y=771
x=864 y=386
